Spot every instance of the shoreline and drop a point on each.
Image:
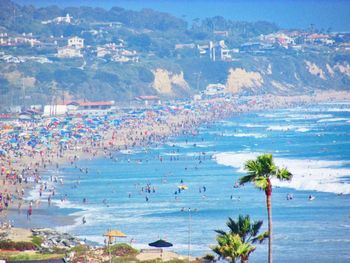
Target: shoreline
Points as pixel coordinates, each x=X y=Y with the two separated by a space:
x=164 y=132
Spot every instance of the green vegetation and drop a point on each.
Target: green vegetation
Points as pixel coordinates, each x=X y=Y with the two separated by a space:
x=37 y=241
x=121 y=250
x=153 y=36
x=209 y=257
x=260 y=172
x=237 y=243
x=17 y=256
x=20 y=246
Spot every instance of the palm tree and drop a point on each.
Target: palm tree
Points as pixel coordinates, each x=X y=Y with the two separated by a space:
x=260 y=172
x=245 y=228
x=230 y=246
x=248 y=232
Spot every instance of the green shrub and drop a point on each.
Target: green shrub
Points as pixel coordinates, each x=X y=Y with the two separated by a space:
x=209 y=257
x=121 y=250
x=21 y=245
x=37 y=241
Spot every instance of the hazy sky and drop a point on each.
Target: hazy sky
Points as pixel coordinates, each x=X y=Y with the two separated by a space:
x=286 y=13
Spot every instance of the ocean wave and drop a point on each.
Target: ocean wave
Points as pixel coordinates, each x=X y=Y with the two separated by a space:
x=229 y=123
x=333 y=119
x=338 y=109
x=309 y=174
x=128 y=152
x=304 y=116
x=302 y=130
x=249 y=125
x=191 y=144
x=288 y=128
x=255 y=135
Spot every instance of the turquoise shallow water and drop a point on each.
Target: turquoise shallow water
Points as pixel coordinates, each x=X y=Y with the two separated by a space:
x=313 y=142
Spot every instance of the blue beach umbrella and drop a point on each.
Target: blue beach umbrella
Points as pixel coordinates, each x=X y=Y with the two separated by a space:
x=3 y=152
x=160 y=243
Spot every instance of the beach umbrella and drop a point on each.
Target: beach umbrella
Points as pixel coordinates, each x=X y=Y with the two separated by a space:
x=3 y=152
x=160 y=244
x=183 y=187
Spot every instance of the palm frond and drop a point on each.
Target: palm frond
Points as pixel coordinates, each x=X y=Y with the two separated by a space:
x=255 y=228
x=252 y=167
x=247 y=179
x=266 y=164
x=284 y=175
x=261 y=182
x=260 y=238
x=232 y=225
x=220 y=232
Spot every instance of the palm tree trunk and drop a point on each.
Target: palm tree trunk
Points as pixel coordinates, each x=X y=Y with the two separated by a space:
x=268 y=193
x=244 y=260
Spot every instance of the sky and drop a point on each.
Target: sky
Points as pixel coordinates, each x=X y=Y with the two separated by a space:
x=334 y=14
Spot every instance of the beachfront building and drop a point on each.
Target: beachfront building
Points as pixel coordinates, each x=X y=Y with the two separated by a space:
x=54 y=110
x=214 y=90
x=80 y=108
x=91 y=108
x=149 y=100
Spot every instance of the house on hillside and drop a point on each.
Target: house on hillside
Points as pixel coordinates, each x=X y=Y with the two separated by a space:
x=59 y=20
x=72 y=50
x=68 y=52
x=221 y=33
x=76 y=42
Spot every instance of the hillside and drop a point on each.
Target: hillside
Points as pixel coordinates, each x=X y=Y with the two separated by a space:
x=132 y=53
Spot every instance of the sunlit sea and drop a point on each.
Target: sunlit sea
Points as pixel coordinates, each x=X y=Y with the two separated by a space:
x=313 y=142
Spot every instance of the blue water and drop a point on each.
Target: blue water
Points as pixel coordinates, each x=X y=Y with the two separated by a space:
x=304 y=231
x=285 y=13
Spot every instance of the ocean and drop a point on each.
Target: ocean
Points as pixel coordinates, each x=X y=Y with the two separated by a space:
x=313 y=142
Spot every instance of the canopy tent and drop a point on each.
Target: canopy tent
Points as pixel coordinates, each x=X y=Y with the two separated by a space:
x=114 y=233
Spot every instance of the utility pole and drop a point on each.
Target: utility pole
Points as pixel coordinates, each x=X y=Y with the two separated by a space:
x=189 y=233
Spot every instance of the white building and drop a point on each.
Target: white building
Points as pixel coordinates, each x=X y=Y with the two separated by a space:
x=92 y=108
x=55 y=110
x=215 y=89
x=76 y=42
x=59 y=20
x=68 y=52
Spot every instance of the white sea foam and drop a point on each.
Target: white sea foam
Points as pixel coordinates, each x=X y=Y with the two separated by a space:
x=304 y=116
x=288 y=128
x=302 y=130
x=191 y=144
x=129 y=151
x=249 y=125
x=229 y=123
x=172 y=154
x=338 y=109
x=316 y=175
x=333 y=120
x=255 y=135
